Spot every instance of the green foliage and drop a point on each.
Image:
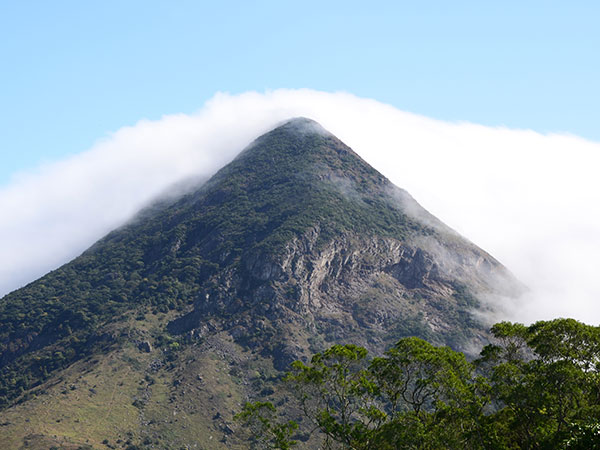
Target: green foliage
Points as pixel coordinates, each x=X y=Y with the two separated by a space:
x=583 y=437
x=536 y=387
x=334 y=391
x=545 y=377
x=258 y=417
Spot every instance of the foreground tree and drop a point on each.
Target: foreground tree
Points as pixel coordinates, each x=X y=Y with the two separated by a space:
x=545 y=381
x=259 y=418
x=536 y=387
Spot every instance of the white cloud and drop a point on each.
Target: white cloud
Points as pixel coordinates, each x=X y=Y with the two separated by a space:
x=531 y=200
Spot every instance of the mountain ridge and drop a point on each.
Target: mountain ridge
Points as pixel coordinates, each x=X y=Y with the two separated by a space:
x=296 y=244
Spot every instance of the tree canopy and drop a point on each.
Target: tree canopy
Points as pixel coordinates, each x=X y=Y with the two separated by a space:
x=534 y=387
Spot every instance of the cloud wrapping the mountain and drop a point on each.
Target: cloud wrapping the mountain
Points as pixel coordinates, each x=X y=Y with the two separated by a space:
x=531 y=200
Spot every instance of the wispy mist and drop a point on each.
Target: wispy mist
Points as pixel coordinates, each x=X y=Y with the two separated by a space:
x=531 y=200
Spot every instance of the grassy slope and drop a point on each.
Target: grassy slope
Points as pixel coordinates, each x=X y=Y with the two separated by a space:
x=119 y=398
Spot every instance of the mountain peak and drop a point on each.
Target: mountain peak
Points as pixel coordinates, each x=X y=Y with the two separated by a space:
x=299 y=133
x=299 y=120
x=295 y=245
x=301 y=147
x=304 y=125
x=299 y=175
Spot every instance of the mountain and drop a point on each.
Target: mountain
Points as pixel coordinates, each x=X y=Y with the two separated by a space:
x=157 y=333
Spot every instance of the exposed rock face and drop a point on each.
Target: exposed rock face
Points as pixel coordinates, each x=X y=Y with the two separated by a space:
x=367 y=290
x=145 y=346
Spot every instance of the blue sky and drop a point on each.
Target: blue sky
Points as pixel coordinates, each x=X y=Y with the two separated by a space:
x=74 y=71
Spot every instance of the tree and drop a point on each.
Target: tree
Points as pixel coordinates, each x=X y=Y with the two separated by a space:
x=415 y=396
x=259 y=418
x=535 y=387
x=544 y=380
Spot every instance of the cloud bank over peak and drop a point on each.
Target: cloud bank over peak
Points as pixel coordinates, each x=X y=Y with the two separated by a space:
x=531 y=200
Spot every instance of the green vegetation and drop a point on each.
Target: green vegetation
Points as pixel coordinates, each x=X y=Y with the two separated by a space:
x=536 y=387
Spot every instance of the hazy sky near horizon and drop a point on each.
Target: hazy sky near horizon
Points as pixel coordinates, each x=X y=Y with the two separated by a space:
x=118 y=100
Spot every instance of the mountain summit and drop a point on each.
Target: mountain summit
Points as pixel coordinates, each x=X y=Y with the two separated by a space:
x=199 y=302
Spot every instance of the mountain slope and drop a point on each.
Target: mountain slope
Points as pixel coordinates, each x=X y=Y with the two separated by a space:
x=295 y=245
